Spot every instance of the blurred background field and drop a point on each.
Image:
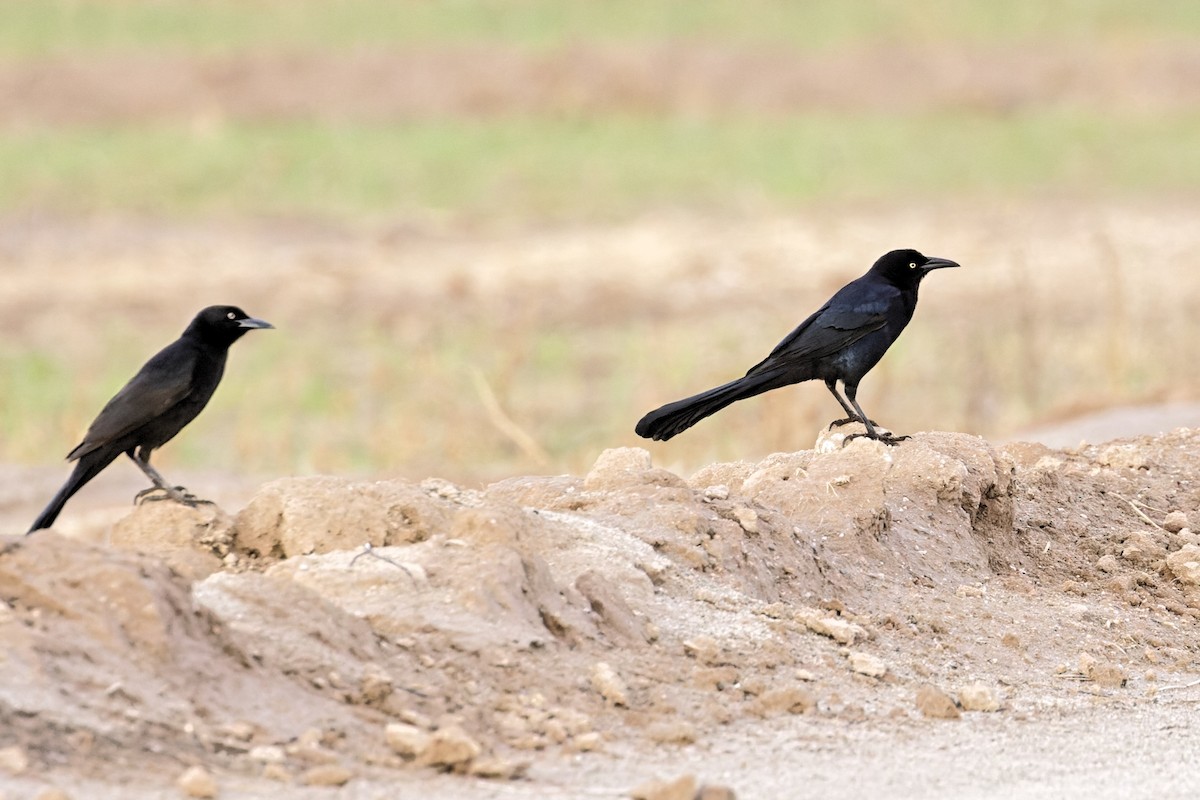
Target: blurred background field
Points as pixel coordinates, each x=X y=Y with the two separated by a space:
x=493 y=234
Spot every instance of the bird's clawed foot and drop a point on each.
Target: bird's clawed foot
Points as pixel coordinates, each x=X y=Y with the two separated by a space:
x=177 y=493
x=837 y=423
x=886 y=438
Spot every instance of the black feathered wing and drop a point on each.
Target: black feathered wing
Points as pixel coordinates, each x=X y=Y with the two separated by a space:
x=831 y=329
x=164 y=381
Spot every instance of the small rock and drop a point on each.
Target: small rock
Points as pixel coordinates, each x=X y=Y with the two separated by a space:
x=241 y=730
x=406 y=740
x=1175 y=522
x=608 y=683
x=312 y=754
x=977 y=697
x=867 y=664
x=14 y=760
x=498 y=769
x=376 y=685
x=718 y=492
x=449 y=748
x=1141 y=547
x=704 y=649
x=1184 y=564
x=326 y=775
x=625 y=467
x=675 y=732
x=839 y=630
x=277 y=772
x=1107 y=563
x=1183 y=538
x=747 y=518
x=682 y=788
x=969 y=590
x=936 y=704
x=587 y=742
x=197 y=782
x=790 y=699
x=1103 y=673
x=715 y=792
x=267 y=754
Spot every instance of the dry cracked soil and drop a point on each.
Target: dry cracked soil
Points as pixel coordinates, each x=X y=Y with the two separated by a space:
x=942 y=618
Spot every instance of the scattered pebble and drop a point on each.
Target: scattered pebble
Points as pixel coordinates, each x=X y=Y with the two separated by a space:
x=1184 y=564
x=1141 y=547
x=196 y=781
x=608 y=683
x=267 y=754
x=837 y=629
x=1103 y=673
x=715 y=792
x=1107 y=563
x=673 y=732
x=936 y=704
x=406 y=740
x=1175 y=522
x=867 y=664
x=978 y=697
x=747 y=518
x=14 y=760
x=790 y=699
x=498 y=768
x=682 y=788
x=326 y=775
x=277 y=772
x=449 y=748
x=588 y=742
x=718 y=492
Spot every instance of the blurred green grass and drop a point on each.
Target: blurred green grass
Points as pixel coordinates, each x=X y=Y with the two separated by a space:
x=547 y=168
x=368 y=400
x=40 y=27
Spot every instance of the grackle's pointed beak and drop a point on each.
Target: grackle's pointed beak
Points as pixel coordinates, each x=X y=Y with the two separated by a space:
x=251 y=322
x=940 y=263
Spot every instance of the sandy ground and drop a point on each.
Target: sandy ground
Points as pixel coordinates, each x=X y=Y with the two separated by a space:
x=945 y=618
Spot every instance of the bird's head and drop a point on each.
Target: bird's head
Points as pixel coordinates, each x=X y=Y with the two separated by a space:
x=224 y=325
x=906 y=268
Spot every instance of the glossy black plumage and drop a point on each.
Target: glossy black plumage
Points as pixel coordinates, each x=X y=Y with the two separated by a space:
x=841 y=341
x=164 y=396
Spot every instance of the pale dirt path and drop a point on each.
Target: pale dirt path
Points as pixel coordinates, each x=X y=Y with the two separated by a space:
x=1115 y=751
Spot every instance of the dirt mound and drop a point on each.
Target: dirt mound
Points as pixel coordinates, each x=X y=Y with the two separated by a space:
x=339 y=630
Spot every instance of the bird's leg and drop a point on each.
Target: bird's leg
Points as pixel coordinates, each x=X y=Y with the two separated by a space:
x=851 y=414
x=851 y=394
x=831 y=385
x=176 y=493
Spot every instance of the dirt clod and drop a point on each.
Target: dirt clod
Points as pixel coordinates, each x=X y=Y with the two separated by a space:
x=449 y=748
x=1175 y=521
x=681 y=788
x=932 y=702
x=978 y=697
x=1184 y=564
x=196 y=781
x=14 y=760
x=326 y=775
x=405 y=740
x=867 y=664
x=609 y=685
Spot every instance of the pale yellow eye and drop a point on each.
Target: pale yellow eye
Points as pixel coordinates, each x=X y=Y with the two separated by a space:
x=912 y=265
x=232 y=315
